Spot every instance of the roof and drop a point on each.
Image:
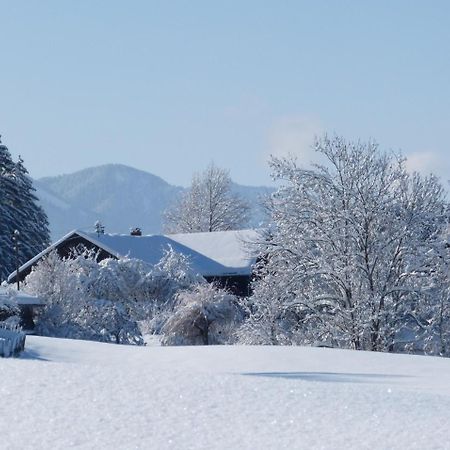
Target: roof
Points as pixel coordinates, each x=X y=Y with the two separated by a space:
x=212 y=254
x=21 y=297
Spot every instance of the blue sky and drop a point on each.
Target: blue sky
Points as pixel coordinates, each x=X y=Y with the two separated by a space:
x=170 y=86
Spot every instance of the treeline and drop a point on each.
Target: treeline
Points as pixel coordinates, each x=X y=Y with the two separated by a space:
x=356 y=256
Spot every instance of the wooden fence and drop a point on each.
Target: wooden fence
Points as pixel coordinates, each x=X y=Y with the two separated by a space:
x=12 y=340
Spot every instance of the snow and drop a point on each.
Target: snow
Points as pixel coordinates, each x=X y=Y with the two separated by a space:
x=64 y=393
x=232 y=249
x=211 y=254
x=51 y=199
x=20 y=297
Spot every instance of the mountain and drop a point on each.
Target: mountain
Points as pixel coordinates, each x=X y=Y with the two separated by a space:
x=62 y=215
x=121 y=197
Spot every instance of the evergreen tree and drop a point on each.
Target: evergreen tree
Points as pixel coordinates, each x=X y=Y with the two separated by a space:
x=7 y=210
x=19 y=211
x=35 y=233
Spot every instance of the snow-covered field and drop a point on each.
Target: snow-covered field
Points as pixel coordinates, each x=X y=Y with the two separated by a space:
x=66 y=393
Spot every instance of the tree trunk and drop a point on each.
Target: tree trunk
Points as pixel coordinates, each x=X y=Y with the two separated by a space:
x=205 y=335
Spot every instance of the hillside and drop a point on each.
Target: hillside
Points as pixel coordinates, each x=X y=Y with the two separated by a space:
x=65 y=393
x=62 y=214
x=121 y=197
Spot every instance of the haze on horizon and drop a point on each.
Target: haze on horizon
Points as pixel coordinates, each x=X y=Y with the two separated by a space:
x=168 y=87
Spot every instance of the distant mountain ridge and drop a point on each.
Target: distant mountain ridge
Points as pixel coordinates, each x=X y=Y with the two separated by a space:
x=121 y=197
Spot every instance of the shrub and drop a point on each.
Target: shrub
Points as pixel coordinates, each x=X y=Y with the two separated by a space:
x=205 y=315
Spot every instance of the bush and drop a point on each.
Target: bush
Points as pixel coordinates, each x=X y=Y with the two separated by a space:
x=66 y=285
x=12 y=340
x=104 y=301
x=205 y=315
x=8 y=305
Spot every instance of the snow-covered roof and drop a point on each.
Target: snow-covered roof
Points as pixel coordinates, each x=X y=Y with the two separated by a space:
x=217 y=253
x=21 y=297
x=211 y=254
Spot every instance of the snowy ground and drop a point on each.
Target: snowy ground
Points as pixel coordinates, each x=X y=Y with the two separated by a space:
x=64 y=394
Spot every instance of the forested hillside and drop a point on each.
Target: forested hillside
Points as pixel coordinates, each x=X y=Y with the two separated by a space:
x=121 y=197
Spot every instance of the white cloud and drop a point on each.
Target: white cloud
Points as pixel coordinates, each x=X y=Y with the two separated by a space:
x=294 y=135
x=427 y=162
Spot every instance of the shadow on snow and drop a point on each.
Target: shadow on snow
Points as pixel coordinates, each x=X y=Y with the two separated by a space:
x=32 y=354
x=329 y=377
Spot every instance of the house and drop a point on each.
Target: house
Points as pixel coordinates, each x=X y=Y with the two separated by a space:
x=223 y=257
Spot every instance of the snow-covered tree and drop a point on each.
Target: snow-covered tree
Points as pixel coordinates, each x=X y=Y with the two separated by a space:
x=55 y=281
x=431 y=319
x=352 y=257
x=19 y=211
x=175 y=273
x=208 y=205
x=203 y=316
x=99 y=228
x=145 y=289
x=108 y=321
x=70 y=309
x=8 y=211
x=34 y=231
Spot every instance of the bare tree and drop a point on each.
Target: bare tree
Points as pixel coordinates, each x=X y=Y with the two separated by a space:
x=208 y=205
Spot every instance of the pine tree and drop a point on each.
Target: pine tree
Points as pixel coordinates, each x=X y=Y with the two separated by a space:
x=7 y=210
x=35 y=232
x=19 y=211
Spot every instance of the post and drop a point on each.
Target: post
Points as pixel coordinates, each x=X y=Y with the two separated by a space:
x=15 y=239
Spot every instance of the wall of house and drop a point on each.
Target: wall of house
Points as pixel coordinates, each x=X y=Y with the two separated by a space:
x=65 y=249
x=237 y=284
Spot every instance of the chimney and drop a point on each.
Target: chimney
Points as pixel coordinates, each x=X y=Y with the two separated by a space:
x=136 y=232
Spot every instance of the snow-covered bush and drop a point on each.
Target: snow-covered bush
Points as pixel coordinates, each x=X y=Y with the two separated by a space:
x=8 y=305
x=104 y=301
x=145 y=289
x=206 y=315
x=12 y=340
x=268 y=321
x=70 y=311
x=122 y=280
x=56 y=282
x=170 y=276
x=109 y=321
